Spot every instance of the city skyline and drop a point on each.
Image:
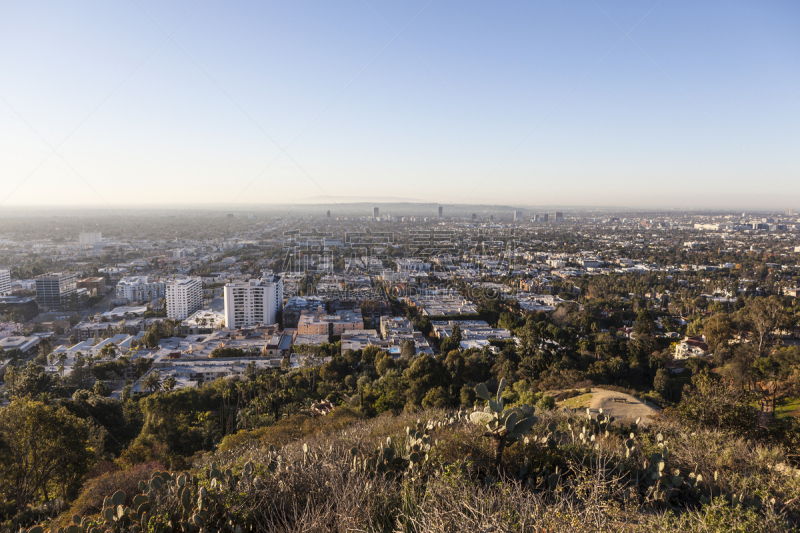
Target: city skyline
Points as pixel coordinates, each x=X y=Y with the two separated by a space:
x=576 y=103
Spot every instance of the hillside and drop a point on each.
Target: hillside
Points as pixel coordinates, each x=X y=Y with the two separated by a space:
x=436 y=471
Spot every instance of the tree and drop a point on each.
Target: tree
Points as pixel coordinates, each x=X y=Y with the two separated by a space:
x=29 y=380
x=108 y=351
x=663 y=383
x=45 y=347
x=45 y=448
x=456 y=334
x=449 y=344
x=384 y=362
x=152 y=381
x=101 y=389
x=141 y=365
x=170 y=383
x=228 y=352
x=439 y=398
x=408 y=349
x=718 y=331
x=715 y=404
x=766 y=315
x=644 y=323
x=370 y=353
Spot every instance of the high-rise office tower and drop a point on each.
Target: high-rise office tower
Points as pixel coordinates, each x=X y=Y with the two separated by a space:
x=376 y=212
x=52 y=290
x=559 y=216
x=440 y=211
x=474 y=217
x=517 y=215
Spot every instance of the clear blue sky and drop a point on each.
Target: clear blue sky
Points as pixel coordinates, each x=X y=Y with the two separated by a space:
x=523 y=103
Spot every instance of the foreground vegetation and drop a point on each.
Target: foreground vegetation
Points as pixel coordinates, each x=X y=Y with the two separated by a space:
x=439 y=470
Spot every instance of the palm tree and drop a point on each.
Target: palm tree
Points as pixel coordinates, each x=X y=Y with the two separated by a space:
x=170 y=383
x=152 y=381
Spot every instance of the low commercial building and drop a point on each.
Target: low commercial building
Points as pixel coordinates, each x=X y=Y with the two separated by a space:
x=297 y=304
x=24 y=345
x=203 y=321
x=24 y=306
x=118 y=313
x=359 y=339
x=320 y=323
x=395 y=325
x=279 y=345
x=96 y=286
x=447 y=304
x=471 y=330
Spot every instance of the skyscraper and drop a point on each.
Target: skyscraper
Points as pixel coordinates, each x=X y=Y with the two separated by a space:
x=376 y=212
x=329 y=213
x=559 y=216
x=440 y=211
x=517 y=215
x=474 y=217
x=545 y=217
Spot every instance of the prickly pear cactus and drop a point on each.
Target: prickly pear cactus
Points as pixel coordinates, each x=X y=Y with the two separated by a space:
x=393 y=461
x=503 y=426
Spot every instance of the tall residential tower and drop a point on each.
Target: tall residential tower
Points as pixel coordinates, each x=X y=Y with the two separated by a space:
x=184 y=297
x=255 y=302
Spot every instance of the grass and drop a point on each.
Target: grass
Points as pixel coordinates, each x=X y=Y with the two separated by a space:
x=788 y=407
x=578 y=402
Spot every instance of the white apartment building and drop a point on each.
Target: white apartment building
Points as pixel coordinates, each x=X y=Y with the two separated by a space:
x=139 y=289
x=90 y=237
x=184 y=297
x=5 y=282
x=412 y=264
x=255 y=302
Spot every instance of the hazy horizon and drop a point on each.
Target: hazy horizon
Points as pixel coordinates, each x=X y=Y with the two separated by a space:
x=585 y=104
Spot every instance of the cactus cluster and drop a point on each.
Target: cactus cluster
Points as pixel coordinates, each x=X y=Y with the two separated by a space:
x=503 y=426
x=410 y=459
x=590 y=431
x=542 y=479
x=198 y=508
